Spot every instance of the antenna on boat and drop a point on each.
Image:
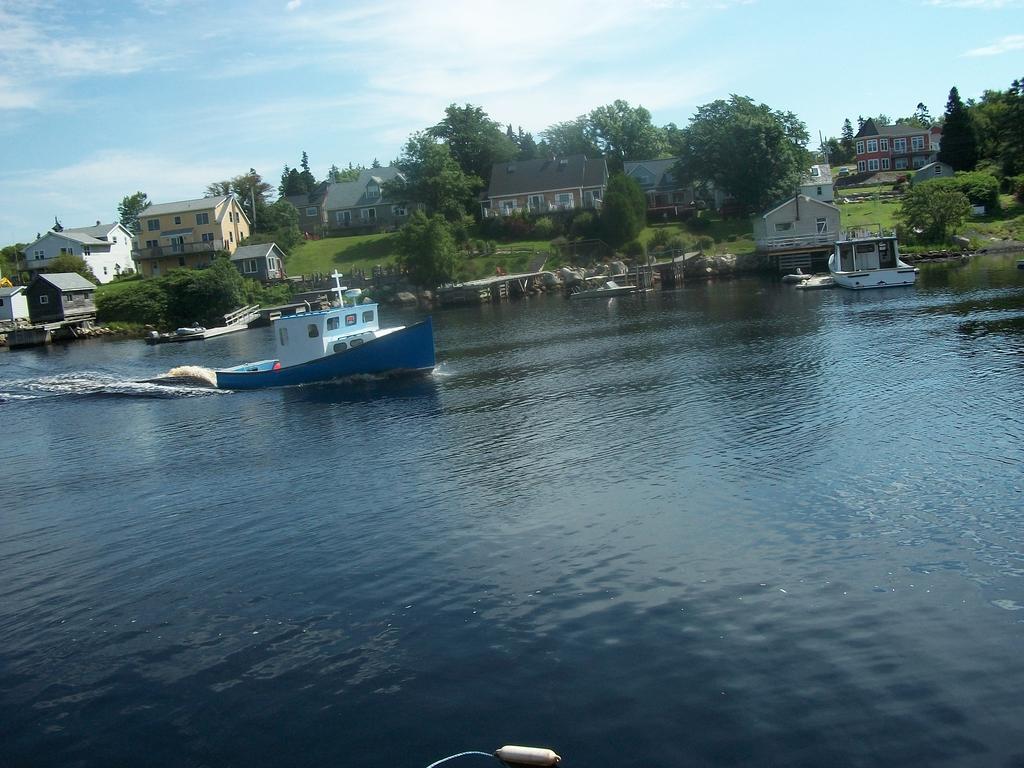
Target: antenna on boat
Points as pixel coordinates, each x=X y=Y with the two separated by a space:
x=338 y=287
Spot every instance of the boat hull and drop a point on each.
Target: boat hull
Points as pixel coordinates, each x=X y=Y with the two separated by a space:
x=408 y=350
x=876 y=278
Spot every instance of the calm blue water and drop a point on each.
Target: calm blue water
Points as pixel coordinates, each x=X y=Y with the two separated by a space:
x=734 y=524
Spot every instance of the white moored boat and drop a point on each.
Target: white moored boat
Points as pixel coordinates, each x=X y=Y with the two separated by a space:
x=869 y=260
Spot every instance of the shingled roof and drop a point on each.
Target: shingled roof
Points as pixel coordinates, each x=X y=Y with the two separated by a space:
x=520 y=177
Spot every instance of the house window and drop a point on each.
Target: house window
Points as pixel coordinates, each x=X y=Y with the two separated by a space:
x=938 y=170
x=207 y=237
x=177 y=219
x=872 y=145
x=373 y=214
x=536 y=202
x=861 y=166
x=564 y=200
x=1 y=302
x=231 y=237
x=181 y=261
x=916 y=143
x=783 y=226
x=69 y=298
x=343 y=217
x=873 y=164
x=508 y=206
x=115 y=239
x=367 y=214
x=884 y=143
x=152 y=243
x=202 y=218
x=919 y=162
x=39 y=254
x=372 y=191
x=153 y=225
x=860 y=147
x=885 y=163
x=44 y=299
x=819 y=191
x=104 y=270
x=249 y=266
x=67 y=251
x=901 y=163
x=822 y=224
x=899 y=145
x=87 y=250
x=311 y=211
x=399 y=210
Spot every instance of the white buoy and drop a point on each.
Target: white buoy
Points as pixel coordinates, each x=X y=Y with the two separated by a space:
x=527 y=755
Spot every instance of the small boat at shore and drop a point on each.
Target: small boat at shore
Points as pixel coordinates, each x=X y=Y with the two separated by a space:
x=188 y=333
x=869 y=261
x=342 y=341
x=607 y=290
x=814 y=282
x=795 y=277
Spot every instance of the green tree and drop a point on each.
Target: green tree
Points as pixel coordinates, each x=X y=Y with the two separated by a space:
x=11 y=258
x=979 y=188
x=427 y=250
x=846 y=142
x=623 y=211
x=143 y=302
x=129 y=209
x=250 y=189
x=475 y=141
x=431 y=176
x=622 y=132
x=572 y=137
x=959 y=141
x=754 y=153
x=204 y=295
x=279 y=224
x=68 y=262
x=933 y=210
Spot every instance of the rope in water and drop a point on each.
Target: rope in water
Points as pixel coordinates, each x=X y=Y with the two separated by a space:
x=459 y=754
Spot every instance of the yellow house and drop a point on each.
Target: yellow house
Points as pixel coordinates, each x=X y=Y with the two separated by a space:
x=188 y=233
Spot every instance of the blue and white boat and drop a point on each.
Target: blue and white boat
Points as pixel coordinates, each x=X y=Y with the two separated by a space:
x=345 y=340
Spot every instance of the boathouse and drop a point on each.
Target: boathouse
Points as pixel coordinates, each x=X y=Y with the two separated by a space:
x=13 y=304
x=800 y=232
x=60 y=297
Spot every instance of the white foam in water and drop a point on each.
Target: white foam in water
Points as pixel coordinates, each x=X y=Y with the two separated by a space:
x=195 y=373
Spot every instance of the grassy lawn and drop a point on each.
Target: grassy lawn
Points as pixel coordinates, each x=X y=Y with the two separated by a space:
x=1009 y=223
x=341 y=253
x=842 y=191
x=869 y=214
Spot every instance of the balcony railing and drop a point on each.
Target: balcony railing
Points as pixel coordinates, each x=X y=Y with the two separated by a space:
x=544 y=206
x=177 y=249
x=786 y=242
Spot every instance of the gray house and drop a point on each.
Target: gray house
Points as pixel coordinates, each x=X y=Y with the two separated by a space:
x=264 y=261
x=311 y=208
x=364 y=205
x=60 y=296
x=542 y=186
x=663 y=191
x=932 y=171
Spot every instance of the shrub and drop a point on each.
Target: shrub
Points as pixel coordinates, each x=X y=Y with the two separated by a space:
x=544 y=228
x=979 y=188
x=705 y=243
x=634 y=249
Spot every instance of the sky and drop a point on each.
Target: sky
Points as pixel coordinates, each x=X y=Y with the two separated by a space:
x=99 y=100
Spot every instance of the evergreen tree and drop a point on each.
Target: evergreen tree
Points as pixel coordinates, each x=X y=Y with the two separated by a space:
x=129 y=209
x=959 y=139
x=623 y=211
x=846 y=141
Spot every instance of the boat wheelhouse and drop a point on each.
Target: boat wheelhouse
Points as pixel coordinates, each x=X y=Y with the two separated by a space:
x=864 y=259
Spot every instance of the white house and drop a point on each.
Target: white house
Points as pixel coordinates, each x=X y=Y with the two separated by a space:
x=799 y=224
x=106 y=248
x=13 y=304
x=817 y=184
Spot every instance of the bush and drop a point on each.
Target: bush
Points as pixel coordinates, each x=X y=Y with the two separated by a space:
x=583 y=225
x=660 y=238
x=544 y=228
x=979 y=188
x=634 y=249
x=705 y=243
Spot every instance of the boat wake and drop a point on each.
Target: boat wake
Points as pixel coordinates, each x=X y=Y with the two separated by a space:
x=96 y=385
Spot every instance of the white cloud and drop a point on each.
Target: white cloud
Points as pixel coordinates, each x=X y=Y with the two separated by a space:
x=1002 y=45
x=293 y=5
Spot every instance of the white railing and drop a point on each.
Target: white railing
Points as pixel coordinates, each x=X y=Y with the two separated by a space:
x=794 y=241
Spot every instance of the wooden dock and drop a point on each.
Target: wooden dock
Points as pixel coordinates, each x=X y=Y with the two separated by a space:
x=490 y=288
